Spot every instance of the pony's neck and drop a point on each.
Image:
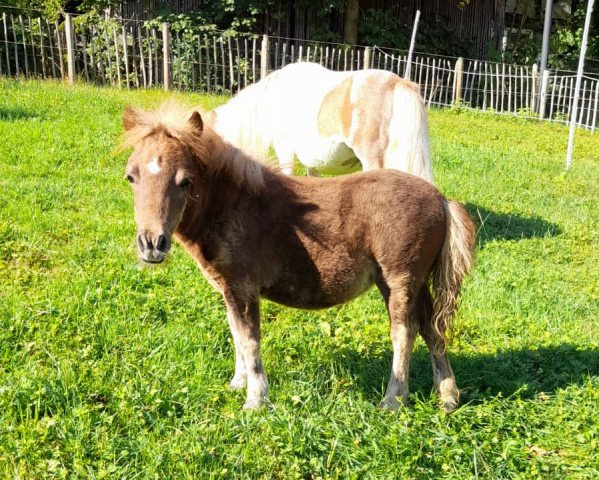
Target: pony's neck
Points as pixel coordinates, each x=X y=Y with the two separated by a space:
x=209 y=198
x=223 y=181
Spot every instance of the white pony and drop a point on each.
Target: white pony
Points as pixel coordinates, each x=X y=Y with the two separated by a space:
x=334 y=122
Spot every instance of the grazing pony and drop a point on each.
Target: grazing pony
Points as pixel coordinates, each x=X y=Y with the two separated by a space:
x=303 y=242
x=334 y=122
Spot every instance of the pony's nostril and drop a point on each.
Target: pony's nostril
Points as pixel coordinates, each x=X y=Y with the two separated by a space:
x=161 y=243
x=144 y=242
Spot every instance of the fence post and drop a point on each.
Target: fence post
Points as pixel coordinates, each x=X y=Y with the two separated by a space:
x=366 y=58
x=264 y=63
x=43 y=52
x=533 y=90
x=411 y=50
x=457 y=80
x=6 y=45
x=166 y=52
x=68 y=27
x=543 y=99
x=125 y=56
x=25 y=57
x=573 y=114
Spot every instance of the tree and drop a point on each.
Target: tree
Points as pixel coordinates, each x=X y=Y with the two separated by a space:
x=351 y=15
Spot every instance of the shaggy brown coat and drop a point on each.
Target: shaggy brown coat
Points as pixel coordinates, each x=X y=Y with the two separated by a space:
x=303 y=242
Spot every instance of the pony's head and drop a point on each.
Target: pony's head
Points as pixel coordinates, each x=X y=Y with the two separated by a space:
x=161 y=172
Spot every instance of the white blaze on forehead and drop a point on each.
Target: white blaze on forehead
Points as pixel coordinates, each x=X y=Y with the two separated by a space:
x=153 y=166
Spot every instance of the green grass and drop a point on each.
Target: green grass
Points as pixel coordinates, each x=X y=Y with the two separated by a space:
x=109 y=370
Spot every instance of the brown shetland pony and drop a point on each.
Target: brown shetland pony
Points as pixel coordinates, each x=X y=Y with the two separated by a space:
x=303 y=242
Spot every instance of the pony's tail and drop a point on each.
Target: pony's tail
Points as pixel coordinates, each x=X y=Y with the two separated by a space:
x=452 y=265
x=408 y=149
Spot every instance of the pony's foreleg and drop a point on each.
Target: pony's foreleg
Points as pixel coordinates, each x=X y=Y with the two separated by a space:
x=244 y=320
x=443 y=376
x=286 y=156
x=403 y=332
x=239 y=379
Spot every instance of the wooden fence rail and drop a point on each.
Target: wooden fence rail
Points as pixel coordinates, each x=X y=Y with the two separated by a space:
x=144 y=55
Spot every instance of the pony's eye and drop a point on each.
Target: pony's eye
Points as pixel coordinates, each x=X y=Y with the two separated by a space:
x=130 y=178
x=185 y=183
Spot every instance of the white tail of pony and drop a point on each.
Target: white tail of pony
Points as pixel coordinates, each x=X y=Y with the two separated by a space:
x=408 y=148
x=453 y=264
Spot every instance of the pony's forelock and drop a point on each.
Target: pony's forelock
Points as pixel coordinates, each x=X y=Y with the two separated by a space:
x=169 y=118
x=205 y=145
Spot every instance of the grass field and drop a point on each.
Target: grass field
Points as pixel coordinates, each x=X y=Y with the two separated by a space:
x=109 y=370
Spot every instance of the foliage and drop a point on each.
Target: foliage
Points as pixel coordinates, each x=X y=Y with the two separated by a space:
x=322 y=26
x=51 y=8
x=438 y=37
x=112 y=371
x=377 y=27
x=526 y=51
x=435 y=35
x=229 y=15
x=566 y=41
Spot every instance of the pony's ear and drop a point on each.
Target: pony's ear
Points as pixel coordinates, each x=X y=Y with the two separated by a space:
x=211 y=117
x=130 y=118
x=196 y=121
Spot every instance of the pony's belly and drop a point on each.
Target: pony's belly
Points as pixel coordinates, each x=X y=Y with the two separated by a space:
x=315 y=294
x=298 y=300
x=329 y=156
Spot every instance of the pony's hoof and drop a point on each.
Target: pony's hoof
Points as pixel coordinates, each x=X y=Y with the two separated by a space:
x=391 y=404
x=237 y=383
x=448 y=405
x=253 y=405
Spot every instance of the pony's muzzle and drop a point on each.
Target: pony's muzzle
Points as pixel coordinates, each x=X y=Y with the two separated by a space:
x=153 y=249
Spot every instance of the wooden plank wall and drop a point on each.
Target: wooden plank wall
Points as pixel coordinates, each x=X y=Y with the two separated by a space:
x=480 y=20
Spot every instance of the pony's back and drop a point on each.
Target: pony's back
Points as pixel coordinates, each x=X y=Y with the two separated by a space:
x=329 y=119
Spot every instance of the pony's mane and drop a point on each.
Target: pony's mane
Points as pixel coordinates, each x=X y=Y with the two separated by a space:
x=241 y=120
x=207 y=146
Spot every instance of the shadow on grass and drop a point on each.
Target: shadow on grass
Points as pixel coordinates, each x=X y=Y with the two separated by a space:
x=16 y=113
x=504 y=226
x=483 y=376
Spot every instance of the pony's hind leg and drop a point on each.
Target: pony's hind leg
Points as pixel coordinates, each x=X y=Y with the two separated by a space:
x=371 y=157
x=403 y=332
x=244 y=321
x=443 y=376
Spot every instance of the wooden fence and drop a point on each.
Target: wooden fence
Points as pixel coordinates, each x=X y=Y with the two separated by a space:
x=139 y=55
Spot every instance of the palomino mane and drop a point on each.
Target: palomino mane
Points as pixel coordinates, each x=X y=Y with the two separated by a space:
x=207 y=147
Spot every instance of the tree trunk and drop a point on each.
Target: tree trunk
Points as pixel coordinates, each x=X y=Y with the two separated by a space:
x=351 y=13
x=499 y=23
